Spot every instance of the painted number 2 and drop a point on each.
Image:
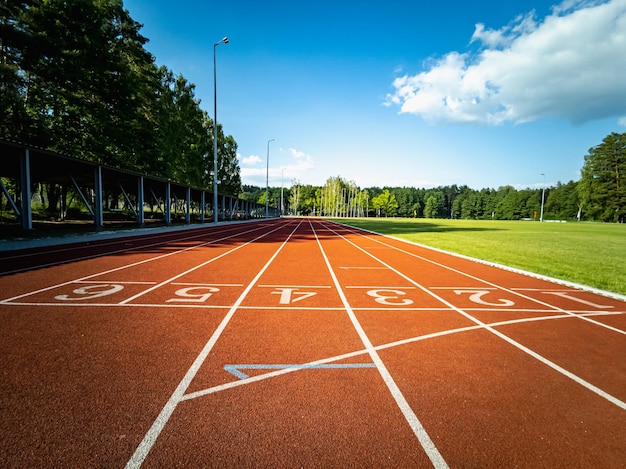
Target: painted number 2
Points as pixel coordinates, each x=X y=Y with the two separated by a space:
x=477 y=297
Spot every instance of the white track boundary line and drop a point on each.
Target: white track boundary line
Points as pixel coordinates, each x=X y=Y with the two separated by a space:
x=605 y=395
x=179 y=393
x=410 y=416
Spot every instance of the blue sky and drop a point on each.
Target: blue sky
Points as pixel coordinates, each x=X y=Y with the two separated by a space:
x=396 y=93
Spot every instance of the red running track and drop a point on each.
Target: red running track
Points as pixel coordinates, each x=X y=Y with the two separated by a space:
x=301 y=343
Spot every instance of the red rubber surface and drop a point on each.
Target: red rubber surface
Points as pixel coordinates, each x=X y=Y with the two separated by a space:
x=301 y=343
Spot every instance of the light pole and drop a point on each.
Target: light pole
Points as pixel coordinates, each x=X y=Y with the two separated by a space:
x=282 y=207
x=543 y=192
x=223 y=41
x=267 y=183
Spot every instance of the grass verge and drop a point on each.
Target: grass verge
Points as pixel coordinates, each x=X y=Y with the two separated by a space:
x=592 y=254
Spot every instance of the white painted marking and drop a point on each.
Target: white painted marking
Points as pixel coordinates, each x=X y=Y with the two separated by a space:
x=90 y=291
x=434 y=335
x=477 y=297
x=191 y=294
x=179 y=393
x=405 y=408
x=115 y=281
x=292 y=295
x=390 y=297
x=486 y=282
x=208 y=284
x=579 y=300
x=540 y=358
x=117 y=269
x=294 y=286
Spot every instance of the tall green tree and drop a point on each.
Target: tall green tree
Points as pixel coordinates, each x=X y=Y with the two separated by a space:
x=603 y=182
x=385 y=203
x=435 y=206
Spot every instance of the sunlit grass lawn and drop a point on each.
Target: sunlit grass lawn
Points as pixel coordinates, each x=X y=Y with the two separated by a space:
x=592 y=254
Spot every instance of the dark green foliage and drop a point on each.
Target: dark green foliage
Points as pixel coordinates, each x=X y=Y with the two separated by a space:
x=75 y=78
x=603 y=183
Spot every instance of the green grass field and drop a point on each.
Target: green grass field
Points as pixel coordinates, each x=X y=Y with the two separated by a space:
x=592 y=254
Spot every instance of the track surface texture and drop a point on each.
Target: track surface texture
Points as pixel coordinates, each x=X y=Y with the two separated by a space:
x=301 y=343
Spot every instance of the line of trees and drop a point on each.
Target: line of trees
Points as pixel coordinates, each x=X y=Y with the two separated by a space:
x=600 y=195
x=75 y=78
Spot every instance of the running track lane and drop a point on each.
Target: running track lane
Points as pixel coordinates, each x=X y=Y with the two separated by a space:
x=306 y=343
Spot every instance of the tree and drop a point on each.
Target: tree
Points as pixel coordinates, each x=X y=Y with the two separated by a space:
x=435 y=206
x=603 y=183
x=75 y=78
x=563 y=201
x=385 y=203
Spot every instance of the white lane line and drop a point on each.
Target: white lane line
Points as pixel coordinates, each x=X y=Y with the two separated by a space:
x=410 y=416
x=117 y=251
x=179 y=393
x=117 y=269
x=293 y=286
x=523 y=348
x=108 y=282
x=208 y=284
x=199 y=266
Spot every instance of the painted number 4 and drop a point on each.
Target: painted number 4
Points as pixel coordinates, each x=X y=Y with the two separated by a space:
x=292 y=295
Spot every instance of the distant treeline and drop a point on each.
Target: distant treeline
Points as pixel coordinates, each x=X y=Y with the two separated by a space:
x=599 y=195
x=505 y=203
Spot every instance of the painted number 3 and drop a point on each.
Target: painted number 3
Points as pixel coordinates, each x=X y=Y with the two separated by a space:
x=390 y=297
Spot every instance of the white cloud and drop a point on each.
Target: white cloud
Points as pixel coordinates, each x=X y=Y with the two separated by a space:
x=622 y=121
x=299 y=163
x=569 y=66
x=249 y=160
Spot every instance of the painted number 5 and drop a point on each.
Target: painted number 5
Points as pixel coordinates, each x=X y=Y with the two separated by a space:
x=194 y=294
x=390 y=297
x=90 y=291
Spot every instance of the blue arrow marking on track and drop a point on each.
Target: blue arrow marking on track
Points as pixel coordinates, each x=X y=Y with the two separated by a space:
x=236 y=369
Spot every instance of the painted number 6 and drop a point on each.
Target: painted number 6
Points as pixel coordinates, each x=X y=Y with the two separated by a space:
x=90 y=291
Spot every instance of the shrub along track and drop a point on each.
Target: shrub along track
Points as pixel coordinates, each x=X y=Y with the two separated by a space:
x=301 y=343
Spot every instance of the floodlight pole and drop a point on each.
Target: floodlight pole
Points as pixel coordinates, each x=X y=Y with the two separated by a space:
x=222 y=41
x=267 y=183
x=543 y=193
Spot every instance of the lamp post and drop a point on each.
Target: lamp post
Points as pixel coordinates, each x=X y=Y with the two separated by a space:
x=282 y=207
x=222 y=41
x=543 y=192
x=267 y=183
